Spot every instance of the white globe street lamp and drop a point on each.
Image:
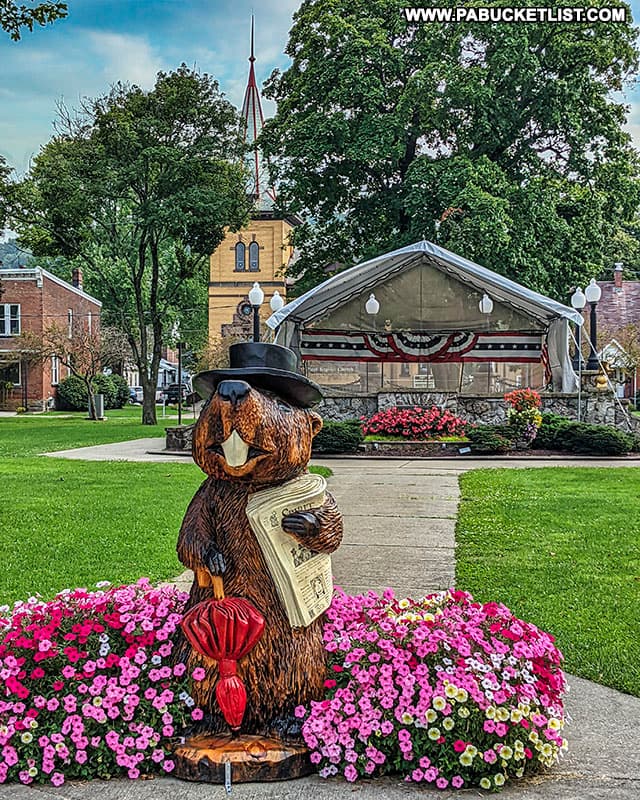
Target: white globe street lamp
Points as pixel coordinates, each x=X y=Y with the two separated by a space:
x=593 y=293
x=578 y=301
x=276 y=302
x=256 y=298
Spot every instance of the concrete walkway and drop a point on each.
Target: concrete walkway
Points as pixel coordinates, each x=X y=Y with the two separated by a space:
x=399 y=520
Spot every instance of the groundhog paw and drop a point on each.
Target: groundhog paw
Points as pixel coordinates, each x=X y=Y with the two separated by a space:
x=214 y=561
x=303 y=524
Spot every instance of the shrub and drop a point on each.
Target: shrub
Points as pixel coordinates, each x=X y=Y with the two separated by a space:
x=121 y=388
x=415 y=423
x=441 y=690
x=338 y=437
x=102 y=384
x=87 y=686
x=490 y=439
x=551 y=432
x=72 y=394
x=597 y=440
x=582 y=438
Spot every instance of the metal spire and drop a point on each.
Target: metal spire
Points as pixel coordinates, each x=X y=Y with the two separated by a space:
x=252 y=121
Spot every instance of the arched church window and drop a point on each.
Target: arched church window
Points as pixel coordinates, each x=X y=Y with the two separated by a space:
x=254 y=257
x=240 y=257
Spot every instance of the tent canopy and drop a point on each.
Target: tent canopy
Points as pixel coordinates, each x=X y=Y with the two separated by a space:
x=429 y=311
x=419 y=258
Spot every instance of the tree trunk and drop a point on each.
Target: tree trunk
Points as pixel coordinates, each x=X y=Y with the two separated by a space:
x=148 y=400
x=149 y=411
x=92 y=401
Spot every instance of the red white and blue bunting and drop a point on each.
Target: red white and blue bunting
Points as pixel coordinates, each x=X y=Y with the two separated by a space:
x=512 y=346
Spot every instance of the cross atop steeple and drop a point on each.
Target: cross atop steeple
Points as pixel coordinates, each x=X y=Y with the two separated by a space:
x=252 y=121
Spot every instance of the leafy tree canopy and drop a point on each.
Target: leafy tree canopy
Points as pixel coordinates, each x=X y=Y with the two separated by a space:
x=505 y=137
x=138 y=188
x=14 y=17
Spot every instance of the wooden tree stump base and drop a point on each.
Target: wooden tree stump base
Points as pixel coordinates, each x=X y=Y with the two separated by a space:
x=252 y=758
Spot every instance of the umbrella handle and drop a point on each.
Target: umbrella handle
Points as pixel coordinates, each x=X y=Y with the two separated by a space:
x=205 y=578
x=218 y=587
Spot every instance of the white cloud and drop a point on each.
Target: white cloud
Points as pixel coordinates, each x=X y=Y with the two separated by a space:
x=126 y=58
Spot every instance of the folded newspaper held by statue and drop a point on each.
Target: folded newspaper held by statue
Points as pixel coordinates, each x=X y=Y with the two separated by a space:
x=303 y=578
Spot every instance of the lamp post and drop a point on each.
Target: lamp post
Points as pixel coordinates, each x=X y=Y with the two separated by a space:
x=578 y=301
x=372 y=306
x=276 y=302
x=256 y=296
x=180 y=347
x=592 y=294
x=486 y=307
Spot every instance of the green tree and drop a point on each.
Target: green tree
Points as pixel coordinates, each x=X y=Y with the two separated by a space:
x=139 y=188
x=507 y=136
x=14 y=17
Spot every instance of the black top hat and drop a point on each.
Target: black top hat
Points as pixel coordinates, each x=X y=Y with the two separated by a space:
x=265 y=366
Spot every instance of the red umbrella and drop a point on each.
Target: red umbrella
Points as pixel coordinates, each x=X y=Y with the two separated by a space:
x=225 y=629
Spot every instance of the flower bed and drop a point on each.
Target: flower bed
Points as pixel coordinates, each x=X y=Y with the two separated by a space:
x=523 y=414
x=87 y=690
x=442 y=690
x=414 y=423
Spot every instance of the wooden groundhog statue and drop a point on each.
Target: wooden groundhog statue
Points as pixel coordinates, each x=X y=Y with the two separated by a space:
x=254 y=432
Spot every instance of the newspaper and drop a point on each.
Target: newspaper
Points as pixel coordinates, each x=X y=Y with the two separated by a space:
x=302 y=578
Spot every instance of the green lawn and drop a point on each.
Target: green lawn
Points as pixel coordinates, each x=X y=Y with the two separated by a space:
x=73 y=523
x=561 y=547
x=30 y=434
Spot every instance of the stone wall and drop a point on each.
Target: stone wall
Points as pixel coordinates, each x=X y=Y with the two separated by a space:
x=339 y=408
x=595 y=407
x=179 y=439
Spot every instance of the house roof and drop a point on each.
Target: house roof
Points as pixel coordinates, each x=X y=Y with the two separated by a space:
x=339 y=289
x=37 y=273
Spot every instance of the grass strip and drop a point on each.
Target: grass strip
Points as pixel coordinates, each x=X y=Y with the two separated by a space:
x=561 y=547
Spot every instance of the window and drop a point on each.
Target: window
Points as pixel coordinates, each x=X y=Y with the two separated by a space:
x=9 y=319
x=240 y=257
x=90 y=323
x=70 y=323
x=254 y=257
x=55 y=370
x=10 y=373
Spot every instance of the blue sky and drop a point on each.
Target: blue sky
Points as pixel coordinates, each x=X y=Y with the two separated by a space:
x=103 y=41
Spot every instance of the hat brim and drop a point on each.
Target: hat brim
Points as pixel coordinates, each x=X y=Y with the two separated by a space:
x=289 y=385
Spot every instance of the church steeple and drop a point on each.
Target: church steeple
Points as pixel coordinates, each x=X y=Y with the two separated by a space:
x=252 y=121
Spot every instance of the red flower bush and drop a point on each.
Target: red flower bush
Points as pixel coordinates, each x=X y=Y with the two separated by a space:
x=415 y=423
x=521 y=399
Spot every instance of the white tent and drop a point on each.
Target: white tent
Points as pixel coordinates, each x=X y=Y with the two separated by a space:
x=429 y=300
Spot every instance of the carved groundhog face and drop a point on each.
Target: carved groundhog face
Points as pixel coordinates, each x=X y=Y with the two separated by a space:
x=253 y=436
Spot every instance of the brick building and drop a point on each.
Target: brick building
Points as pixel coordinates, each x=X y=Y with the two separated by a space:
x=33 y=300
x=618 y=318
x=619 y=304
